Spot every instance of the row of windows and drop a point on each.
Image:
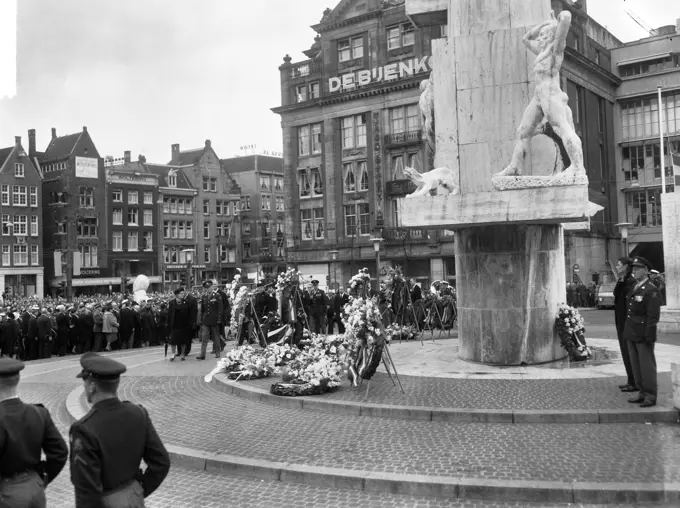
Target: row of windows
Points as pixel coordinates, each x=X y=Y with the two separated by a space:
x=647 y=156
x=650 y=66
x=132 y=217
x=267 y=229
x=21 y=195
x=356 y=220
x=398 y=36
x=132 y=241
x=20 y=255
x=309 y=139
x=178 y=229
x=265 y=183
x=221 y=207
x=307 y=91
x=88 y=256
x=279 y=250
x=640 y=118
x=266 y=202
x=209 y=184
x=18 y=226
x=55 y=166
x=132 y=197
x=178 y=205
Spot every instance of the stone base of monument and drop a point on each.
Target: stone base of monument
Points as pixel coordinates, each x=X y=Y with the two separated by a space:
x=675 y=380
x=669 y=321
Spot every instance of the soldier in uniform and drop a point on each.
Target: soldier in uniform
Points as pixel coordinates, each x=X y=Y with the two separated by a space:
x=644 y=307
x=109 y=443
x=26 y=430
x=317 y=308
x=211 y=316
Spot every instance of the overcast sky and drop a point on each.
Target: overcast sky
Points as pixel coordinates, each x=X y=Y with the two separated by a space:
x=144 y=74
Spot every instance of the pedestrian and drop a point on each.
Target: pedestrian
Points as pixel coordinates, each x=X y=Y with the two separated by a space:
x=317 y=308
x=625 y=284
x=85 y=329
x=110 y=442
x=644 y=307
x=126 y=330
x=32 y=334
x=44 y=335
x=147 y=321
x=210 y=316
x=340 y=299
x=26 y=431
x=110 y=326
x=181 y=325
x=98 y=317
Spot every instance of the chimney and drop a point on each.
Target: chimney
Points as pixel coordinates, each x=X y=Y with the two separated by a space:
x=126 y=155
x=207 y=143
x=175 y=153
x=54 y=133
x=17 y=140
x=141 y=159
x=31 y=142
x=84 y=128
x=677 y=26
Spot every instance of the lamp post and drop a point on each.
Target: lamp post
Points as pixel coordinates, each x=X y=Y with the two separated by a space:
x=334 y=257
x=623 y=228
x=160 y=230
x=376 y=247
x=190 y=259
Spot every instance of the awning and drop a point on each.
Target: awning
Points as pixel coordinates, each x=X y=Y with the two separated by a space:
x=645 y=58
x=100 y=281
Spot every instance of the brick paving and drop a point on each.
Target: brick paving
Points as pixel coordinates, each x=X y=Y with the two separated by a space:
x=189 y=413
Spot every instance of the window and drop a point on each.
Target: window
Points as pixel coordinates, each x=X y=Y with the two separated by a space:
x=246 y=228
x=349 y=49
x=33 y=196
x=18 y=170
x=118 y=216
x=278 y=183
x=643 y=208
x=301 y=93
x=314 y=90
x=173 y=205
x=172 y=179
x=264 y=183
x=303 y=182
x=117 y=240
x=639 y=118
x=5 y=194
x=5 y=255
x=166 y=205
x=209 y=184
x=166 y=229
x=148 y=198
x=279 y=204
x=318 y=224
x=20 y=255
x=213 y=185
x=355 y=176
x=133 y=197
x=87 y=227
x=266 y=202
x=181 y=230
x=20 y=225
x=348 y=178
x=34 y=225
x=174 y=229
x=148 y=217
x=180 y=206
x=206 y=230
x=206 y=253
x=362 y=171
x=316 y=138
x=118 y=196
x=34 y=255
x=19 y=195
x=646 y=67
x=404 y=119
x=400 y=36
x=148 y=240
x=353 y=131
x=245 y=203
x=133 y=241
x=133 y=216
x=206 y=207
x=246 y=249
x=88 y=255
x=357 y=219
x=218 y=207
x=307 y=227
x=303 y=140
x=206 y=183
x=7 y=230
x=86 y=197
x=190 y=230
x=265 y=229
x=317 y=182
x=222 y=229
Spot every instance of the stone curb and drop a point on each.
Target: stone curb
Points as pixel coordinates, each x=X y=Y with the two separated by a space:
x=653 y=414
x=413 y=485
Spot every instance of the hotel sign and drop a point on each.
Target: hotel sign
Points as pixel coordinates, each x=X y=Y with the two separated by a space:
x=87 y=167
x=389 y=72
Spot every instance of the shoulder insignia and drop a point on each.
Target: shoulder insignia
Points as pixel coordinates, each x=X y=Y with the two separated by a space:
x=76 y=444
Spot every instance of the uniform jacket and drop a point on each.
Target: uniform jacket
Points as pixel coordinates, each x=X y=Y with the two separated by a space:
x=317 y=302
x=226 y=308
x=339 y=302
x=644 y=307
x=622 y=288
x=193 y=309
x=211 y=309
x=128 y=320
x=107 y=447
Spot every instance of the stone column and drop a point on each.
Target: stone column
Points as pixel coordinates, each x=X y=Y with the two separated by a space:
x=670 y=211
x=40 y=284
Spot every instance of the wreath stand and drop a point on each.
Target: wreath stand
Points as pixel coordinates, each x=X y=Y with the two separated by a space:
x=261 y=339
x=387 y=361
x=413 y=311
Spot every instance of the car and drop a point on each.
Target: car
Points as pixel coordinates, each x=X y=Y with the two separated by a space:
x=605 y=296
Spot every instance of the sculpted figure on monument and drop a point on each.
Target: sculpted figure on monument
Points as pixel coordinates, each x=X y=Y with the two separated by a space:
x=441 y=180
x=426 y=105
x=548 y=112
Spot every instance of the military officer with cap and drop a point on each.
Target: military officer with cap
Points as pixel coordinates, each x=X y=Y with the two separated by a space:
x=109 y=443
x=210 y=316
x=643 y=308
x=26 y=430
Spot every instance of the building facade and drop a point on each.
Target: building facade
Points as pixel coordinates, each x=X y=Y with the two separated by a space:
x=217 y=199
x=132 y=208
x=261 y=220
x=21 y=270
x=643 y=66
x=74 y=209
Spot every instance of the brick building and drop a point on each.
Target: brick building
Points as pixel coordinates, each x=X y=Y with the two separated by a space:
x=21 y=267
x=261 y=221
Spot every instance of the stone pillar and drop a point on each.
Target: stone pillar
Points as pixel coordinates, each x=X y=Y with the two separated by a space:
x=40 y=284
x=509 y=281
x=670 y=313
x=2 y=284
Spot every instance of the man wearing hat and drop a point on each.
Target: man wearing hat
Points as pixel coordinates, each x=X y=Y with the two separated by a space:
x=210 y=317
x=181 y=321
x=643 y=309
x=26 y=431
x=317 y=308
x=109 y=443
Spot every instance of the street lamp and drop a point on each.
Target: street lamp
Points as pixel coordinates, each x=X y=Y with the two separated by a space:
x=376 y=247
x=334 y=257
x=623 y=228
x=190 y=257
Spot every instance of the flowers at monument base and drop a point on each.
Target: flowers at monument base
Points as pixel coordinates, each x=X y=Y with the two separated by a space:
x=399 y=332
x=237 y=307
x=571 y=330
x=394 y=281
x=244 y=362
x=287 y=279
x=360 y=281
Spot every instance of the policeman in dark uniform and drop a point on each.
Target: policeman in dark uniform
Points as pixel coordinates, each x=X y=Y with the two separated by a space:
x=317 y=309
x=211 y=315
x=25 y=431
x=109 y=443
x=644 y=307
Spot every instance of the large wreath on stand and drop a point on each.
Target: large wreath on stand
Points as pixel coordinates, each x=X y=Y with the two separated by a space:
x=570 y=328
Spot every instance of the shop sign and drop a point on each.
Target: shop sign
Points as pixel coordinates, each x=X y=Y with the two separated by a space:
x=389 y=72
x=94 y=272
x=87 y=167
x=182 y=267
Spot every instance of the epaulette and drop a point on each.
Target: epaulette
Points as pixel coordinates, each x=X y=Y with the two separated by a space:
x=38 y=404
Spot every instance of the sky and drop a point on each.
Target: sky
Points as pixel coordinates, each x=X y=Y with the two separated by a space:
x=144 y=74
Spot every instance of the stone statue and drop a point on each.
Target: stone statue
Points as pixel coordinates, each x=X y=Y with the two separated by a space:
x=426 y=104
x=548 y=110
x=441 y=180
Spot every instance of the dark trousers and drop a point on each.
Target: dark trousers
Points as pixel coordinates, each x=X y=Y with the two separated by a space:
x=623 y=346
x=45 y=348
x=331 y=325
x=317 y=323
x=643 y=362
x=26 y=490
x=99 y=341
x=31 y=349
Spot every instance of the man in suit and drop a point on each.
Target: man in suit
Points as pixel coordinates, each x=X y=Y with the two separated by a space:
x=127 y=324
x=32 y=334
x=416 y=293
x=85 y=329
x=225 y=318
x=26 y=431
x=340 y=299
x=644 y=307
x=44 y=334
x=109 y=443
x=192 y=303
x=317 y=308
x=211 y=315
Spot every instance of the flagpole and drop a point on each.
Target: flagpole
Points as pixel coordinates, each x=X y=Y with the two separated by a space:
x=662 y=158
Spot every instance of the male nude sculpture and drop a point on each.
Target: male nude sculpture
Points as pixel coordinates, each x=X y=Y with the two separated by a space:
x=549 y=104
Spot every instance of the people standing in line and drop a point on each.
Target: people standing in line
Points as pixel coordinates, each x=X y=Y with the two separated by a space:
x=644 y=307
x=45 y=339
x=210 y=317
x=624 y=285
x=110 y=442
x=317 y=308
x=26 y=431
x=181 y=324
x=109 y=326
x=10 y=334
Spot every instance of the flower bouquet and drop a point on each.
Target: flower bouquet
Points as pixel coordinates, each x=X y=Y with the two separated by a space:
x=359 y=283
x=237 y=308
x=570 y=328
x=398 y=332
x=244 y=362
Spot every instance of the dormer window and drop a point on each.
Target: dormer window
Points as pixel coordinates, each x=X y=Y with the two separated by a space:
x=19 y=170
x=400 y=36
x=172 y=180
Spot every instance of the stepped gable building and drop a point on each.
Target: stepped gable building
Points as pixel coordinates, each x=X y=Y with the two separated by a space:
x=261 y=218
x=218 y=194
x=74 y=208
x=132 y=211
x=21 y=267
x=642 y=66
x=351 y=123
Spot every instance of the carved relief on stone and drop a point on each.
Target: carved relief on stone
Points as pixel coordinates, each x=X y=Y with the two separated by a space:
x=386 y=4
x=440 y=180
x=426 y=104
x=354 y=152
x=377 y=162
x=548 y=113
